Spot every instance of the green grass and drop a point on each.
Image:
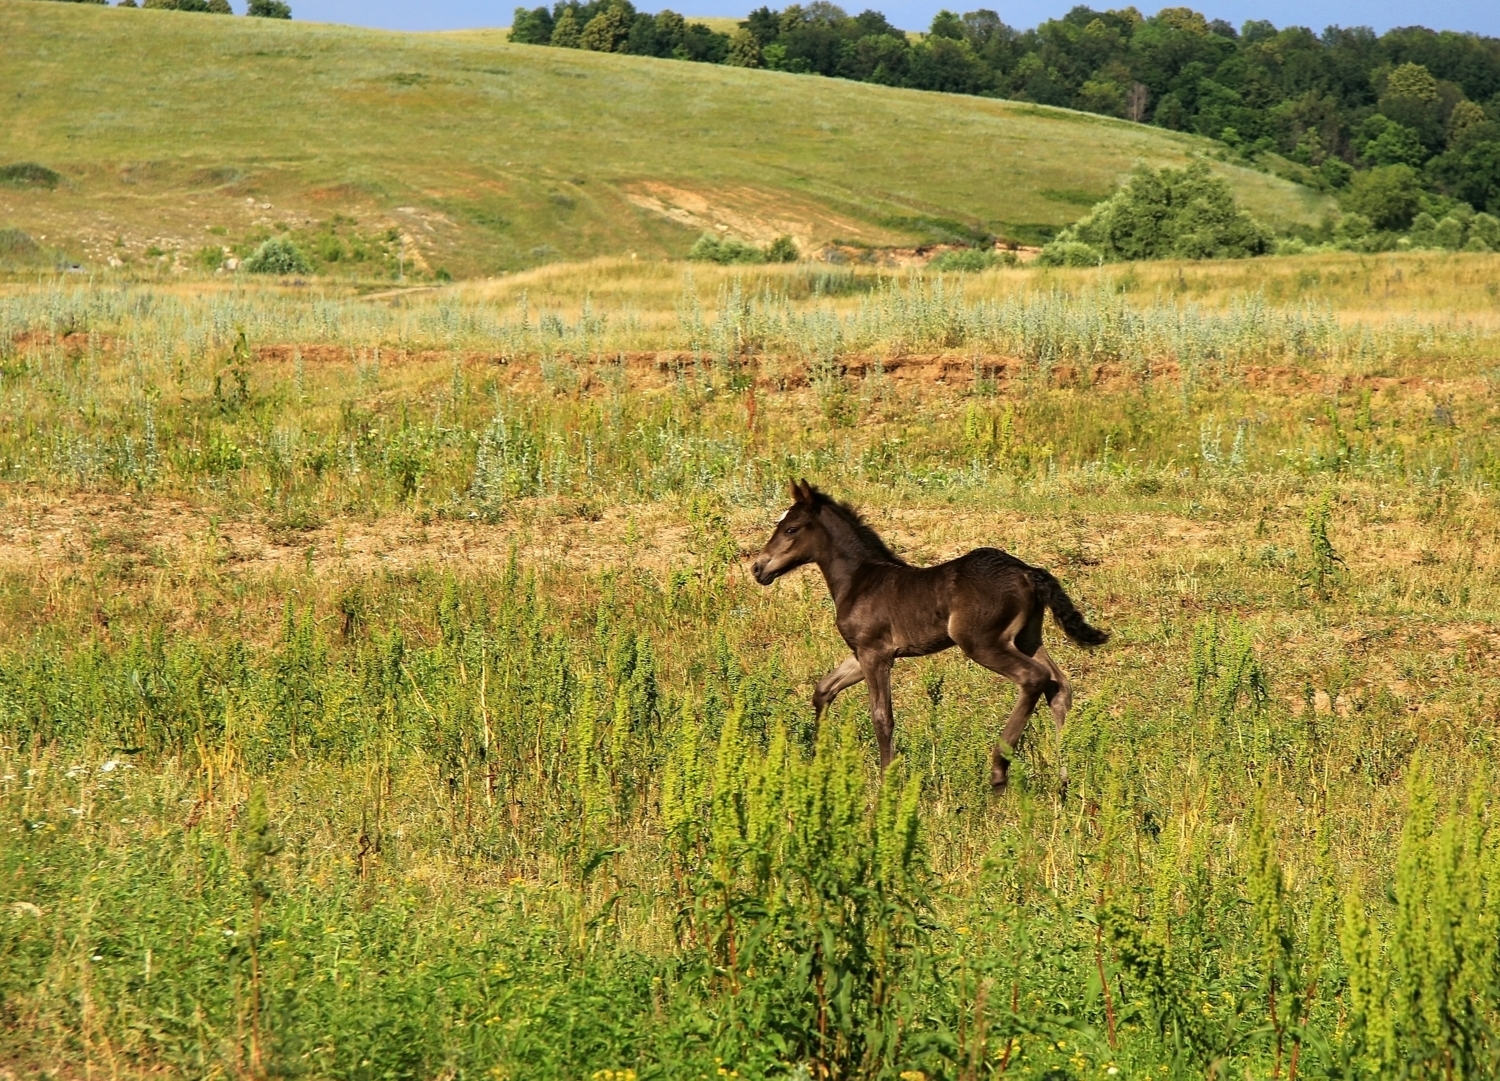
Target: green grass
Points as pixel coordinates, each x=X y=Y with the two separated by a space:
x=171 y=132
x=383 y=693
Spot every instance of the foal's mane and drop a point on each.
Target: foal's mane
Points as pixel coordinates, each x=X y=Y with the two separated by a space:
x=867 y=536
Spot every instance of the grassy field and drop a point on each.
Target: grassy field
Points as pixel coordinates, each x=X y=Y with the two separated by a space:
x=383 y=693
x=173 y=134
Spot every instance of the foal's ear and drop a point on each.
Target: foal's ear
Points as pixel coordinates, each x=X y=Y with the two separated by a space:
x=797 y=496
x=804 y=493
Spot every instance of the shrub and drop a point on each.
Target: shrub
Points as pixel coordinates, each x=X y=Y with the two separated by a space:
x=1175 y=213
x=1485 y=228
x=972 y=259
x=1062 y=252
x=711 y=249
x=28 y=174
x=1353 y=233
x=1449 y=234
x=269 y=9
x=278 y=256
x=330 y=248
x=1335 y=173
x=16 y=246
x=814 y=896
x=782 y=250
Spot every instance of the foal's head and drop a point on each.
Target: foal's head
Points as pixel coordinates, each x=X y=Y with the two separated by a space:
x=798 y=538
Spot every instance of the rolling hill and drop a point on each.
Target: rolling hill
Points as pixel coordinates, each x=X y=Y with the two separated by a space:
x=170 y=132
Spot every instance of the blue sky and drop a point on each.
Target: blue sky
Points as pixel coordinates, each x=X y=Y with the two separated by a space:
x=1482 y=16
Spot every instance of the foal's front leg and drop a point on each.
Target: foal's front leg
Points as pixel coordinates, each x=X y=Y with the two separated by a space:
x=877 y=669
x=841 y=678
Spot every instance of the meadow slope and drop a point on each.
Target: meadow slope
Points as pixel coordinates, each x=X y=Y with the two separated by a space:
x=175 y=132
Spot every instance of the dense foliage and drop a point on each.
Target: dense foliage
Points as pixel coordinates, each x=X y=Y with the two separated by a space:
x=278 y=255
x=1419 y=108
x=1171 y=214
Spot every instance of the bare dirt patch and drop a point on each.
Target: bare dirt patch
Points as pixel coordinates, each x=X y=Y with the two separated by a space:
x=130 y=535
x=748 y=213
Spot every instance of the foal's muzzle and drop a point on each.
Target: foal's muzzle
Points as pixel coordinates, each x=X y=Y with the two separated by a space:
x=758 y=569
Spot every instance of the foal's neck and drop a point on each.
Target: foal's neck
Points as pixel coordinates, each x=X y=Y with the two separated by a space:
x=846 y=552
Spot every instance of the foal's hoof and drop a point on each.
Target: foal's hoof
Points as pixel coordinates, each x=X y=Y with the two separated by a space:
x=999 y=780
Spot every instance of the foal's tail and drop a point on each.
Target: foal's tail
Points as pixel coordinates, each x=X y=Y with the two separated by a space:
x=1050 y=592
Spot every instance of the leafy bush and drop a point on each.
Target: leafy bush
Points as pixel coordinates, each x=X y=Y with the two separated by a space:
x=712 y=249
x=28 y=174
x=269 y=9
x=1070 y=253
x=1485 y=229
x=973 y=259
x=1172 y=214
x=18 y=247
x=782 y=250
x=278 y=256
x=813 y=896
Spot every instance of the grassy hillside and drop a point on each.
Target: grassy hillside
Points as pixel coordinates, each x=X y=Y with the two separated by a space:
x=173 y=132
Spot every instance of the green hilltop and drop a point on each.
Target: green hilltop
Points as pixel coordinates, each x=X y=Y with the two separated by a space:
x=170 y=133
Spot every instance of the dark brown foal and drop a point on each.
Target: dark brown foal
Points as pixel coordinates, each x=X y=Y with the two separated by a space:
x=988 y=603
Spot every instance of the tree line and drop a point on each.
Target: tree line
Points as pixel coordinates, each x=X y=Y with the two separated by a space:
x=1391 y=120
x=264 y=9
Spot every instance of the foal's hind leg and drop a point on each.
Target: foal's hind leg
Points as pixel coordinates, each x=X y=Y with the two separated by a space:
x=1059 y=699
x=1033 y=677
x=841 y=678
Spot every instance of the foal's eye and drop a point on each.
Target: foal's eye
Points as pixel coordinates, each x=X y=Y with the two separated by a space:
x=791 y=531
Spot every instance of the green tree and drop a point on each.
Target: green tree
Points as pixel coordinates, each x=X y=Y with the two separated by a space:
x=1486 y=230
x=1175 y=213
x=744 y=50
x=1471 y=174
x=1412 y=81
x=1103 y=96
x=1388 y=195
x=269 y=9
x=531 y=27
x=1385 y=142
x=566 y=33
x=608 y=31
x=945 y=24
